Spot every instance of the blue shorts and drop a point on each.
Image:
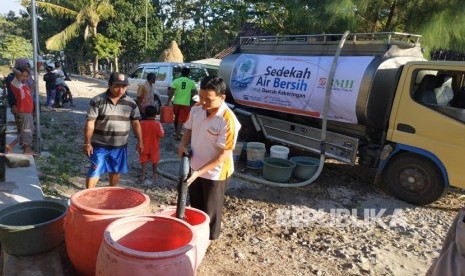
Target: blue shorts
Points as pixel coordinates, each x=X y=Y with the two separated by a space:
x=108 y=160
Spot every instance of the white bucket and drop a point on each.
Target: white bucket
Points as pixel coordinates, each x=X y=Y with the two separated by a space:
x=279 y=151
x=238 y=151
x=255 y=155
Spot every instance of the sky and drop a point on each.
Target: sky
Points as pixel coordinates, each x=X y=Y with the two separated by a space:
x=10 y=5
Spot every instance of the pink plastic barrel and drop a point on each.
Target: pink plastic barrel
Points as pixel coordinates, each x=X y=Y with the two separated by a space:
x=199 y=221
x=147 y=245
x=90 y=212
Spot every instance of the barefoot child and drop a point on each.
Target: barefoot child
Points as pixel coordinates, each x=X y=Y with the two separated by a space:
x=152 y=131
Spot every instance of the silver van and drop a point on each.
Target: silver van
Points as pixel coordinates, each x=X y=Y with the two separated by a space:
x=166 y=72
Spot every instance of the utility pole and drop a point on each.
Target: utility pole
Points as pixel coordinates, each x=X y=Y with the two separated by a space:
x=36 y=75
x=146 y=28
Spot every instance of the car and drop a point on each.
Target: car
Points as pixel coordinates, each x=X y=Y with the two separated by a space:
x=166 y=72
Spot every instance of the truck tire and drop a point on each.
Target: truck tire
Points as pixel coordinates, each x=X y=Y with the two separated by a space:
x=414 y=179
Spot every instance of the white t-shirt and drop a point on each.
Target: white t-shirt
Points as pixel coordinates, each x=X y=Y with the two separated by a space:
x=61 y=76
x=210 y=135
x=146 y=92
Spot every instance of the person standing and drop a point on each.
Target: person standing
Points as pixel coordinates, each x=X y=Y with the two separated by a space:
x=152 y=132
x=62 y=77
x=182 y=89
x=24 y=111
x=146 y=92
x=20 y=65
x=109 y=120
x=50 y=86
x=211 y=131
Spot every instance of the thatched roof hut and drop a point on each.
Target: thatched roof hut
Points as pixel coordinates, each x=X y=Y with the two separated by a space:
x=171 y=54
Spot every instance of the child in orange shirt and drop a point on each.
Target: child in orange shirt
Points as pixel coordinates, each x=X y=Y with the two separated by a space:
x=152 y=131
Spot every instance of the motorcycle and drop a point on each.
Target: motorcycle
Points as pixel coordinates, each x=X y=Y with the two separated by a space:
x=63 y=95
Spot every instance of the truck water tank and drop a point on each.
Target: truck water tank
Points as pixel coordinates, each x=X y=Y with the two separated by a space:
x=362 y=89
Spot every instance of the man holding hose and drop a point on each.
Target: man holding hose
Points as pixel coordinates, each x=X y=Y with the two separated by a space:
x=211 y=131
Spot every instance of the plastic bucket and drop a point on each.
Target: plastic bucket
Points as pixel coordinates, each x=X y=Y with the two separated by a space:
x=277 y=169
x=255 y=155
x=147 y=245
x=305 y=166
x=166 y=114
x=31 y=227
x=279 y=151
x=238 y=151
x=199 y=221
x=90 y=212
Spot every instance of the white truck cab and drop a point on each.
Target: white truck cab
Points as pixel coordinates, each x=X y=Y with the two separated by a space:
x=166 y=72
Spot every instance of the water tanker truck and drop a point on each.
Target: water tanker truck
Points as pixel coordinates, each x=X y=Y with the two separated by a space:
x=379 y=103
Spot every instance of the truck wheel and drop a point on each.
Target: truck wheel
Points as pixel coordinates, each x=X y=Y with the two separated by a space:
x=157 y=103
x=414 y=179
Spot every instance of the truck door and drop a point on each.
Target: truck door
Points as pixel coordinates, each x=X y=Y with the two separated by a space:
x=163 y=80
x=135 y=78
x=427 y=126
x=140 y=76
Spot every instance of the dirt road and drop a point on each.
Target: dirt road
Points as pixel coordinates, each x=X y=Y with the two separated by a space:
x=339 y=225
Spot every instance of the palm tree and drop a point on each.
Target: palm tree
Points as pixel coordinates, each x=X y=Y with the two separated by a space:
x=87 y=14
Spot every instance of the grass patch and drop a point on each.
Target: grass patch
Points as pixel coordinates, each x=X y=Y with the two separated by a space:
x=46 y=136
x=45 y=120
x=59 y=150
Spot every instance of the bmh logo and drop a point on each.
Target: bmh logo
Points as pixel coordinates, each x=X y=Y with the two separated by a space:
x=337 y=84
x=341 y=218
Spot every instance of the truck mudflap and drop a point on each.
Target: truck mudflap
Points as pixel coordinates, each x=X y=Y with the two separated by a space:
x=337 y=146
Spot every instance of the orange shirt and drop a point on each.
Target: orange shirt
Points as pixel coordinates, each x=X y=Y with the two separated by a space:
x=152 y=131
x=24 y=101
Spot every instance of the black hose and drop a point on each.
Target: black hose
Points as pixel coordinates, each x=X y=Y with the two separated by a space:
x=184 y=170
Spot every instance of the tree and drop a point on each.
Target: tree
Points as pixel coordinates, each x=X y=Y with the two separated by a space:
x=106 y=48
x=304 y=17
x=205 y=27
x=12 y=45
x=432 y=19
x=445 y=28
x=85 y=16
x=216 y=24
x=129 y=29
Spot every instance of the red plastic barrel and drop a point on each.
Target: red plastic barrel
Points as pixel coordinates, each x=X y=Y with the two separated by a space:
x=166 y=114
x=199 y=221
x=147 y=245
x=90 y=212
